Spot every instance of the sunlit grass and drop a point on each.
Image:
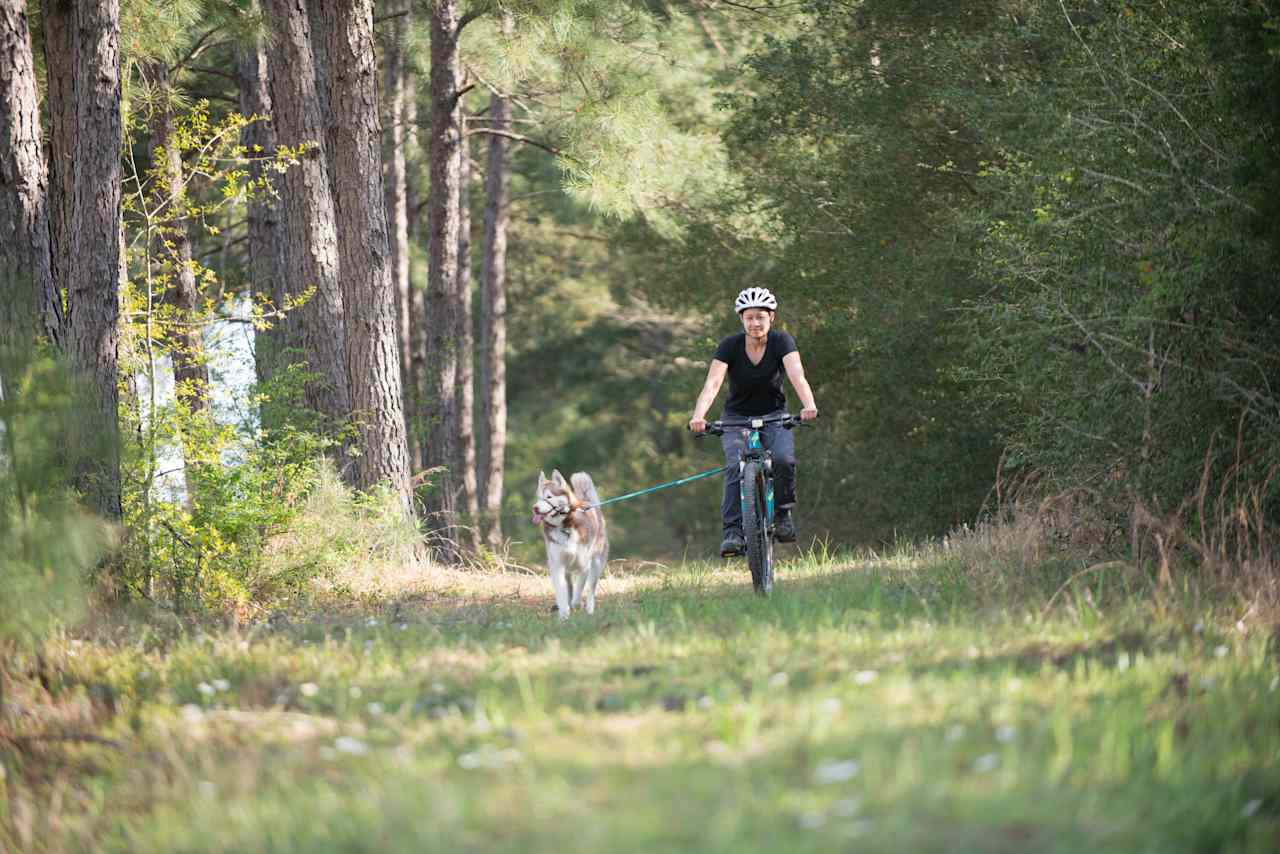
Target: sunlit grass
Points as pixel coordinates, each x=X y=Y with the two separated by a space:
x=874 y=701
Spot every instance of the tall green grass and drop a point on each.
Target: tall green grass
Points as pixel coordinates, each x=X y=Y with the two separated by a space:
x=875 y=702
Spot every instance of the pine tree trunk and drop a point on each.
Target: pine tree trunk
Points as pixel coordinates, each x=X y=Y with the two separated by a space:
x=28 y=304
x=267 y=246
x=59 y=62
x=373 y=355
x=414 y=167
x=94 y=264
x=319 y=19
x=493 y=319
x=398 y=200
x=171 y=246
x=466 y=463
x=311 y=233
x=442 y=327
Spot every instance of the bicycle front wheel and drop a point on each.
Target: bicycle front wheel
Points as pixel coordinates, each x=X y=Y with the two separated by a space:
x=755 y=528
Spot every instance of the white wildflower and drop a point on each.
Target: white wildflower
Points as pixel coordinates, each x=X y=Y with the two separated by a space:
x=1006 y=734
x=221 y=685
x=1252 y=807
x=191 y=713
x=375 y=708
x=206 y=689
x=705 y=702
x=1221 y=650
x=489 y=758
x=864 y=677
x=830 y=706
x=986 y=763
x=349 y=745
x=308 y=689
x=836 y=771
x=955 y=732
x=371 y=622
x=779 y=680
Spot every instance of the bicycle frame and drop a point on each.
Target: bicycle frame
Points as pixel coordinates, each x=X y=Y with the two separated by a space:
x=756 y=451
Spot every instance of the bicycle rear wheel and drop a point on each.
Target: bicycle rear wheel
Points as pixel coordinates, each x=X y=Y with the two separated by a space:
x=755 y=528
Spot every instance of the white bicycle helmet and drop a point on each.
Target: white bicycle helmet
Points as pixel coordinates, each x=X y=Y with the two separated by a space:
x=754 y=297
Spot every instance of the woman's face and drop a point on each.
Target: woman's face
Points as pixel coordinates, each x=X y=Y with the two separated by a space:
x=756 y=322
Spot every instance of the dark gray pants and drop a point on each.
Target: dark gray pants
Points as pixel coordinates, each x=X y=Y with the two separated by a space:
x=782 y=444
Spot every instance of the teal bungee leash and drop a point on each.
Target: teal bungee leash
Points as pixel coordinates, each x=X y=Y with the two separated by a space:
x=691 y=477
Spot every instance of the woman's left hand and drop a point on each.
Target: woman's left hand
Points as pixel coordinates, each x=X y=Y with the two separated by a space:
x=808 y=414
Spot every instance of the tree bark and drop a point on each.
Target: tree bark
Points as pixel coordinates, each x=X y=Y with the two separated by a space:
x=59 y=61
x=267 y=265
x=417 y=295
x=442 y=326
x=398 y=198
x=311 y=234
x=171 y=246
x=28 y=301
x=319 y=18
x=466 y=482
x=94 y=264
x=493 y=320
x=373 y=355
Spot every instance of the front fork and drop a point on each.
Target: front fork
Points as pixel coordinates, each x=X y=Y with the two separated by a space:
x=757 y=451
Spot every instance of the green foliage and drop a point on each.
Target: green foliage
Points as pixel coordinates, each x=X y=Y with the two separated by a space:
x=1133 y=313
x=50 y=545
x=198 y=540
x=614 y=97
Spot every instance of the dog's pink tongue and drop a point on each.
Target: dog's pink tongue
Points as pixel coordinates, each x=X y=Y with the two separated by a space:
x=537 y=518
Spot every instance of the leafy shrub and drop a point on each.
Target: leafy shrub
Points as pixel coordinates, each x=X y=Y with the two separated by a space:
x=47 y=543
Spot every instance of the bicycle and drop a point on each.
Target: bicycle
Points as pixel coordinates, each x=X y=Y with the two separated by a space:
x=756 y=493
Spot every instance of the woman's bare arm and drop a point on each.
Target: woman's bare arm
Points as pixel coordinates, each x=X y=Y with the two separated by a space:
x=710 y=388
x=795 y=373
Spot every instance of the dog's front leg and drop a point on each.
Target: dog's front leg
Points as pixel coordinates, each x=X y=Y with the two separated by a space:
x=561 y=585
x=579 y=581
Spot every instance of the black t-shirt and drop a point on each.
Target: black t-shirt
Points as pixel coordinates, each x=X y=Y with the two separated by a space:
x=755 y=389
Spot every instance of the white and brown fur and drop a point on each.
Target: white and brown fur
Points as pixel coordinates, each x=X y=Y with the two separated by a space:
x=573 y=530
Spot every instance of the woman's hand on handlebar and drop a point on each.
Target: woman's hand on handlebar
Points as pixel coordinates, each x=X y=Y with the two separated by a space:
x=698 y=425
x=808 y=414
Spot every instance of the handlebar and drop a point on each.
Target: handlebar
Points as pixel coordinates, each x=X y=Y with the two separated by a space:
x=717 y=428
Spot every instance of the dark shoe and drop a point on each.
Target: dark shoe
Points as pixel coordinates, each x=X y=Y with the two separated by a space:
x=733 y=544
x=784 y=530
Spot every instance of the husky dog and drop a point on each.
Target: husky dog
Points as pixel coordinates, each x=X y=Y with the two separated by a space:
x=573 y=529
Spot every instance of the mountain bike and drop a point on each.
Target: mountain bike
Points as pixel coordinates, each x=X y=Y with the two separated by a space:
x=756 y=493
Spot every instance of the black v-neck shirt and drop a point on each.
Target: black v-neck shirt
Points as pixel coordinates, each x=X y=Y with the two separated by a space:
x=755 y=389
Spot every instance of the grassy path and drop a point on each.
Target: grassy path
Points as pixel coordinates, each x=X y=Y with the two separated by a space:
x=870 y=705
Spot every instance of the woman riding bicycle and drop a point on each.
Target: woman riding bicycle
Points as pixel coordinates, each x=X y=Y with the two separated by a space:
x=755 y=360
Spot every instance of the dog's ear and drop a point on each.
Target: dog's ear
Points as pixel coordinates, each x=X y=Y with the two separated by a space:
x=542 y=478
x=558 y=479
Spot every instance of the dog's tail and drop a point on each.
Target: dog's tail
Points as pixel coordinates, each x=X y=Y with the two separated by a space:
x=584 y=488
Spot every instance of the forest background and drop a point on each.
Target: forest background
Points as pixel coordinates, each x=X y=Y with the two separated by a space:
x=1028 y=250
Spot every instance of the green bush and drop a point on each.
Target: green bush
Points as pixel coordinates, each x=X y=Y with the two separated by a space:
x=47 y=543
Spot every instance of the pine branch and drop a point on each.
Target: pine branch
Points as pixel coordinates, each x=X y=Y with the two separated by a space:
x=527 y=140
